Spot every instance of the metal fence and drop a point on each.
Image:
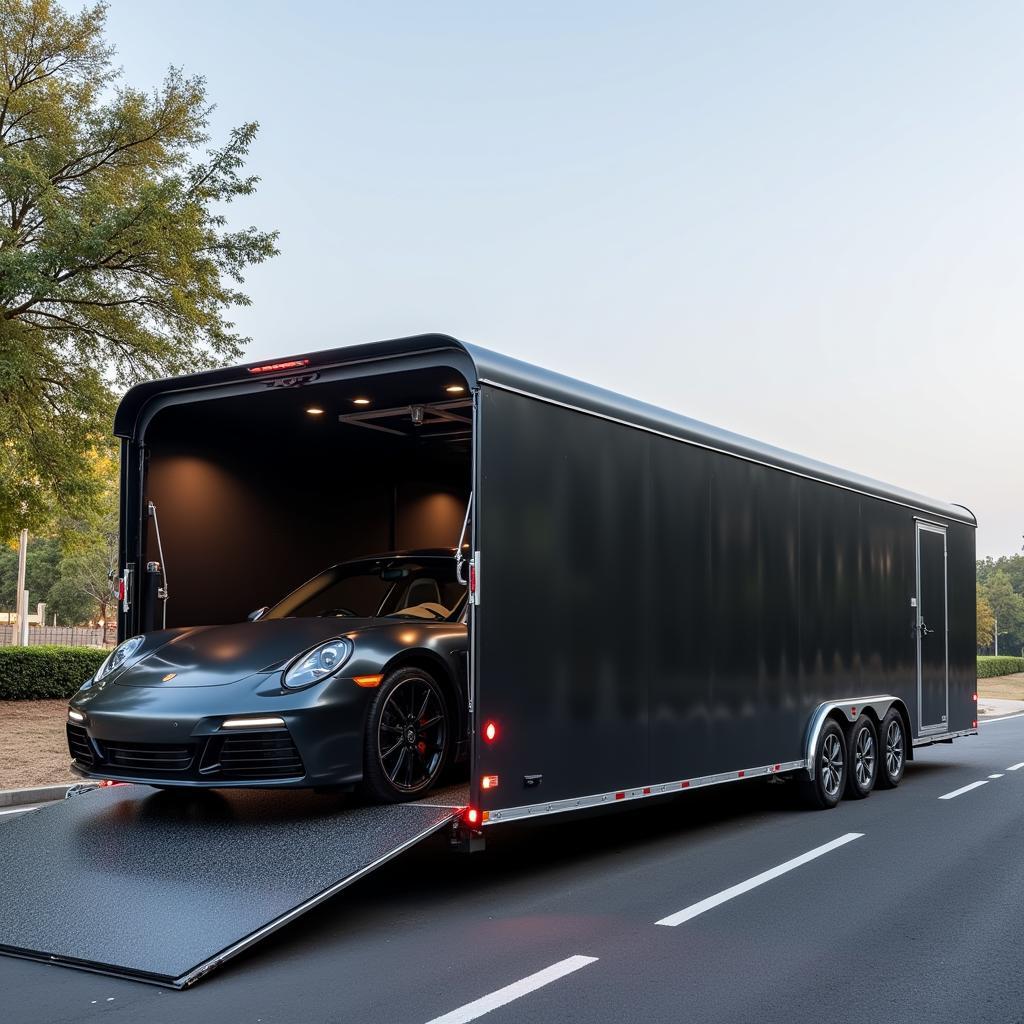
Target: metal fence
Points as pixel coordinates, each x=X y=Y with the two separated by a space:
x=75 y=636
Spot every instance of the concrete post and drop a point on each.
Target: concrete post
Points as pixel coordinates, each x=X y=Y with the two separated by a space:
x=20 y=599
x=23 y=620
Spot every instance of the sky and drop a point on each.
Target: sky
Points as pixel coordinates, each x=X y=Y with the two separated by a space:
x=799 y=221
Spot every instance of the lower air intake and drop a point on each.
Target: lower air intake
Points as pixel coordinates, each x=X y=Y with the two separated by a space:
x=80 y=747
x=260 y=755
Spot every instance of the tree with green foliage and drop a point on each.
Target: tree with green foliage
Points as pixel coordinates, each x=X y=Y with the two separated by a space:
x=985 y=619
x=116 y=260
x=41 y=571
x=1006 y=604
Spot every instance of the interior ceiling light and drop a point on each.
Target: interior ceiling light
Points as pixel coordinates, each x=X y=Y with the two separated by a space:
x=360 y=401
x=455 y=389
x=315 y=411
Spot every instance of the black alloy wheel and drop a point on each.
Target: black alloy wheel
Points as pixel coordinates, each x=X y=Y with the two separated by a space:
x=407 y=738
x=826 y=788
x=893 y=755
x=862 y=746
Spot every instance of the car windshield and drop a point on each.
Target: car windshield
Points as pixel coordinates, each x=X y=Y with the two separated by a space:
x=411 y=588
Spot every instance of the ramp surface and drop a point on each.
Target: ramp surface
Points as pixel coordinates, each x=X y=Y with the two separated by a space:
x=164 y=887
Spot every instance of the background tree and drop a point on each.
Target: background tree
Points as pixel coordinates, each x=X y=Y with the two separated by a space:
x=42 y=572
x=1007 y=607
x=116 y=262
x=69 y=571
x=986 y=620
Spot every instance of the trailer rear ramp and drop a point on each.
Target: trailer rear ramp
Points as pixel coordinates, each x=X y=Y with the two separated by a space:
x=164 y=887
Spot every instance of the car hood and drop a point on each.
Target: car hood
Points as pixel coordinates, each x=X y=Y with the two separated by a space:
x=215 y=655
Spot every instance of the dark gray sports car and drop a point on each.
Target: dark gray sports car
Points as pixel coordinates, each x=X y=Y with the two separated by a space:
x=359 y=675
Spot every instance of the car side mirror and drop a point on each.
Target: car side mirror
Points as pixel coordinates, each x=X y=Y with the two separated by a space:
x=258 y=614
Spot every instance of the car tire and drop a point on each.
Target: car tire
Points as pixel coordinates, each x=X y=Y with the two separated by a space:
x=892 y=746
x=862 y=755
x=826 y=788
x=408 y=738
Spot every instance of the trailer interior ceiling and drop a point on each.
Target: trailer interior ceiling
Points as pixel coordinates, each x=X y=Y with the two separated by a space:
x=258 y=491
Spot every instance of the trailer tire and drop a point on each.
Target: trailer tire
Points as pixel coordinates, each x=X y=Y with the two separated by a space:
x=892 y=746
x=408 y=737
x=826 y=788
x=862 y=754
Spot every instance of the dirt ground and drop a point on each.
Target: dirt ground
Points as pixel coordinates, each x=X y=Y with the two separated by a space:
x=33 y=750
x=1005 y=687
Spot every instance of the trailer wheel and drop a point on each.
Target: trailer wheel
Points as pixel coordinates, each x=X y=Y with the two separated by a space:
x=893 y=755
x=826 y=788
x=408 y=736
x=862 y=746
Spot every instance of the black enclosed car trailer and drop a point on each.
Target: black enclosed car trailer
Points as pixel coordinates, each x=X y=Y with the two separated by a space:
x=657 y=605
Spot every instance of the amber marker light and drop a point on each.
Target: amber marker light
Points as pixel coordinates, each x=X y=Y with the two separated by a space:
x=367 y=681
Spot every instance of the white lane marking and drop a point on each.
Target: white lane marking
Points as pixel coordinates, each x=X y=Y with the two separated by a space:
x=963 y=789
x=20 y=810
x=1001 y=718
x=998 y=775
x=752 y=883
x=523 y=987
x=1014 y=767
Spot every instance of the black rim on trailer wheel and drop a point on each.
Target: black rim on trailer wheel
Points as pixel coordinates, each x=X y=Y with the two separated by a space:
x=864 y=758
x=832 y=765
x=894 y=748
x=412 y=734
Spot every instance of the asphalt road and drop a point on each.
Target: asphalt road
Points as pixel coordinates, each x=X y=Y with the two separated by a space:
x=902 y=907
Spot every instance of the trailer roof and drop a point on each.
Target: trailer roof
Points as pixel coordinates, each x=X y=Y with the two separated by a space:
x=514 y=375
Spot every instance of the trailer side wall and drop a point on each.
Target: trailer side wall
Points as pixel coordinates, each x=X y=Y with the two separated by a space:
x=652 y=611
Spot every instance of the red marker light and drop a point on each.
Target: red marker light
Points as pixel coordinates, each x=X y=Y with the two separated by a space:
x=121 y=589
x=975 y=698
x=489 y=782
x=287 y=364
x=472 y=815
x=974 y=724
x=490 y=732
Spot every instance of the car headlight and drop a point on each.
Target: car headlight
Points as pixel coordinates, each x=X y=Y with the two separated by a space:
x=119 y=656
x=317 y=664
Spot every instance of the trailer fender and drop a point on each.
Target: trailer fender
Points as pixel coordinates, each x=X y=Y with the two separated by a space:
x=847 y=711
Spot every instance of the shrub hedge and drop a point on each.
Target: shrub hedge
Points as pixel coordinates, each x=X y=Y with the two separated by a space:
x=49 y=670
x=989 y=666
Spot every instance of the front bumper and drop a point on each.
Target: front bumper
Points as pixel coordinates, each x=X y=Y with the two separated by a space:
x=179 y=739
